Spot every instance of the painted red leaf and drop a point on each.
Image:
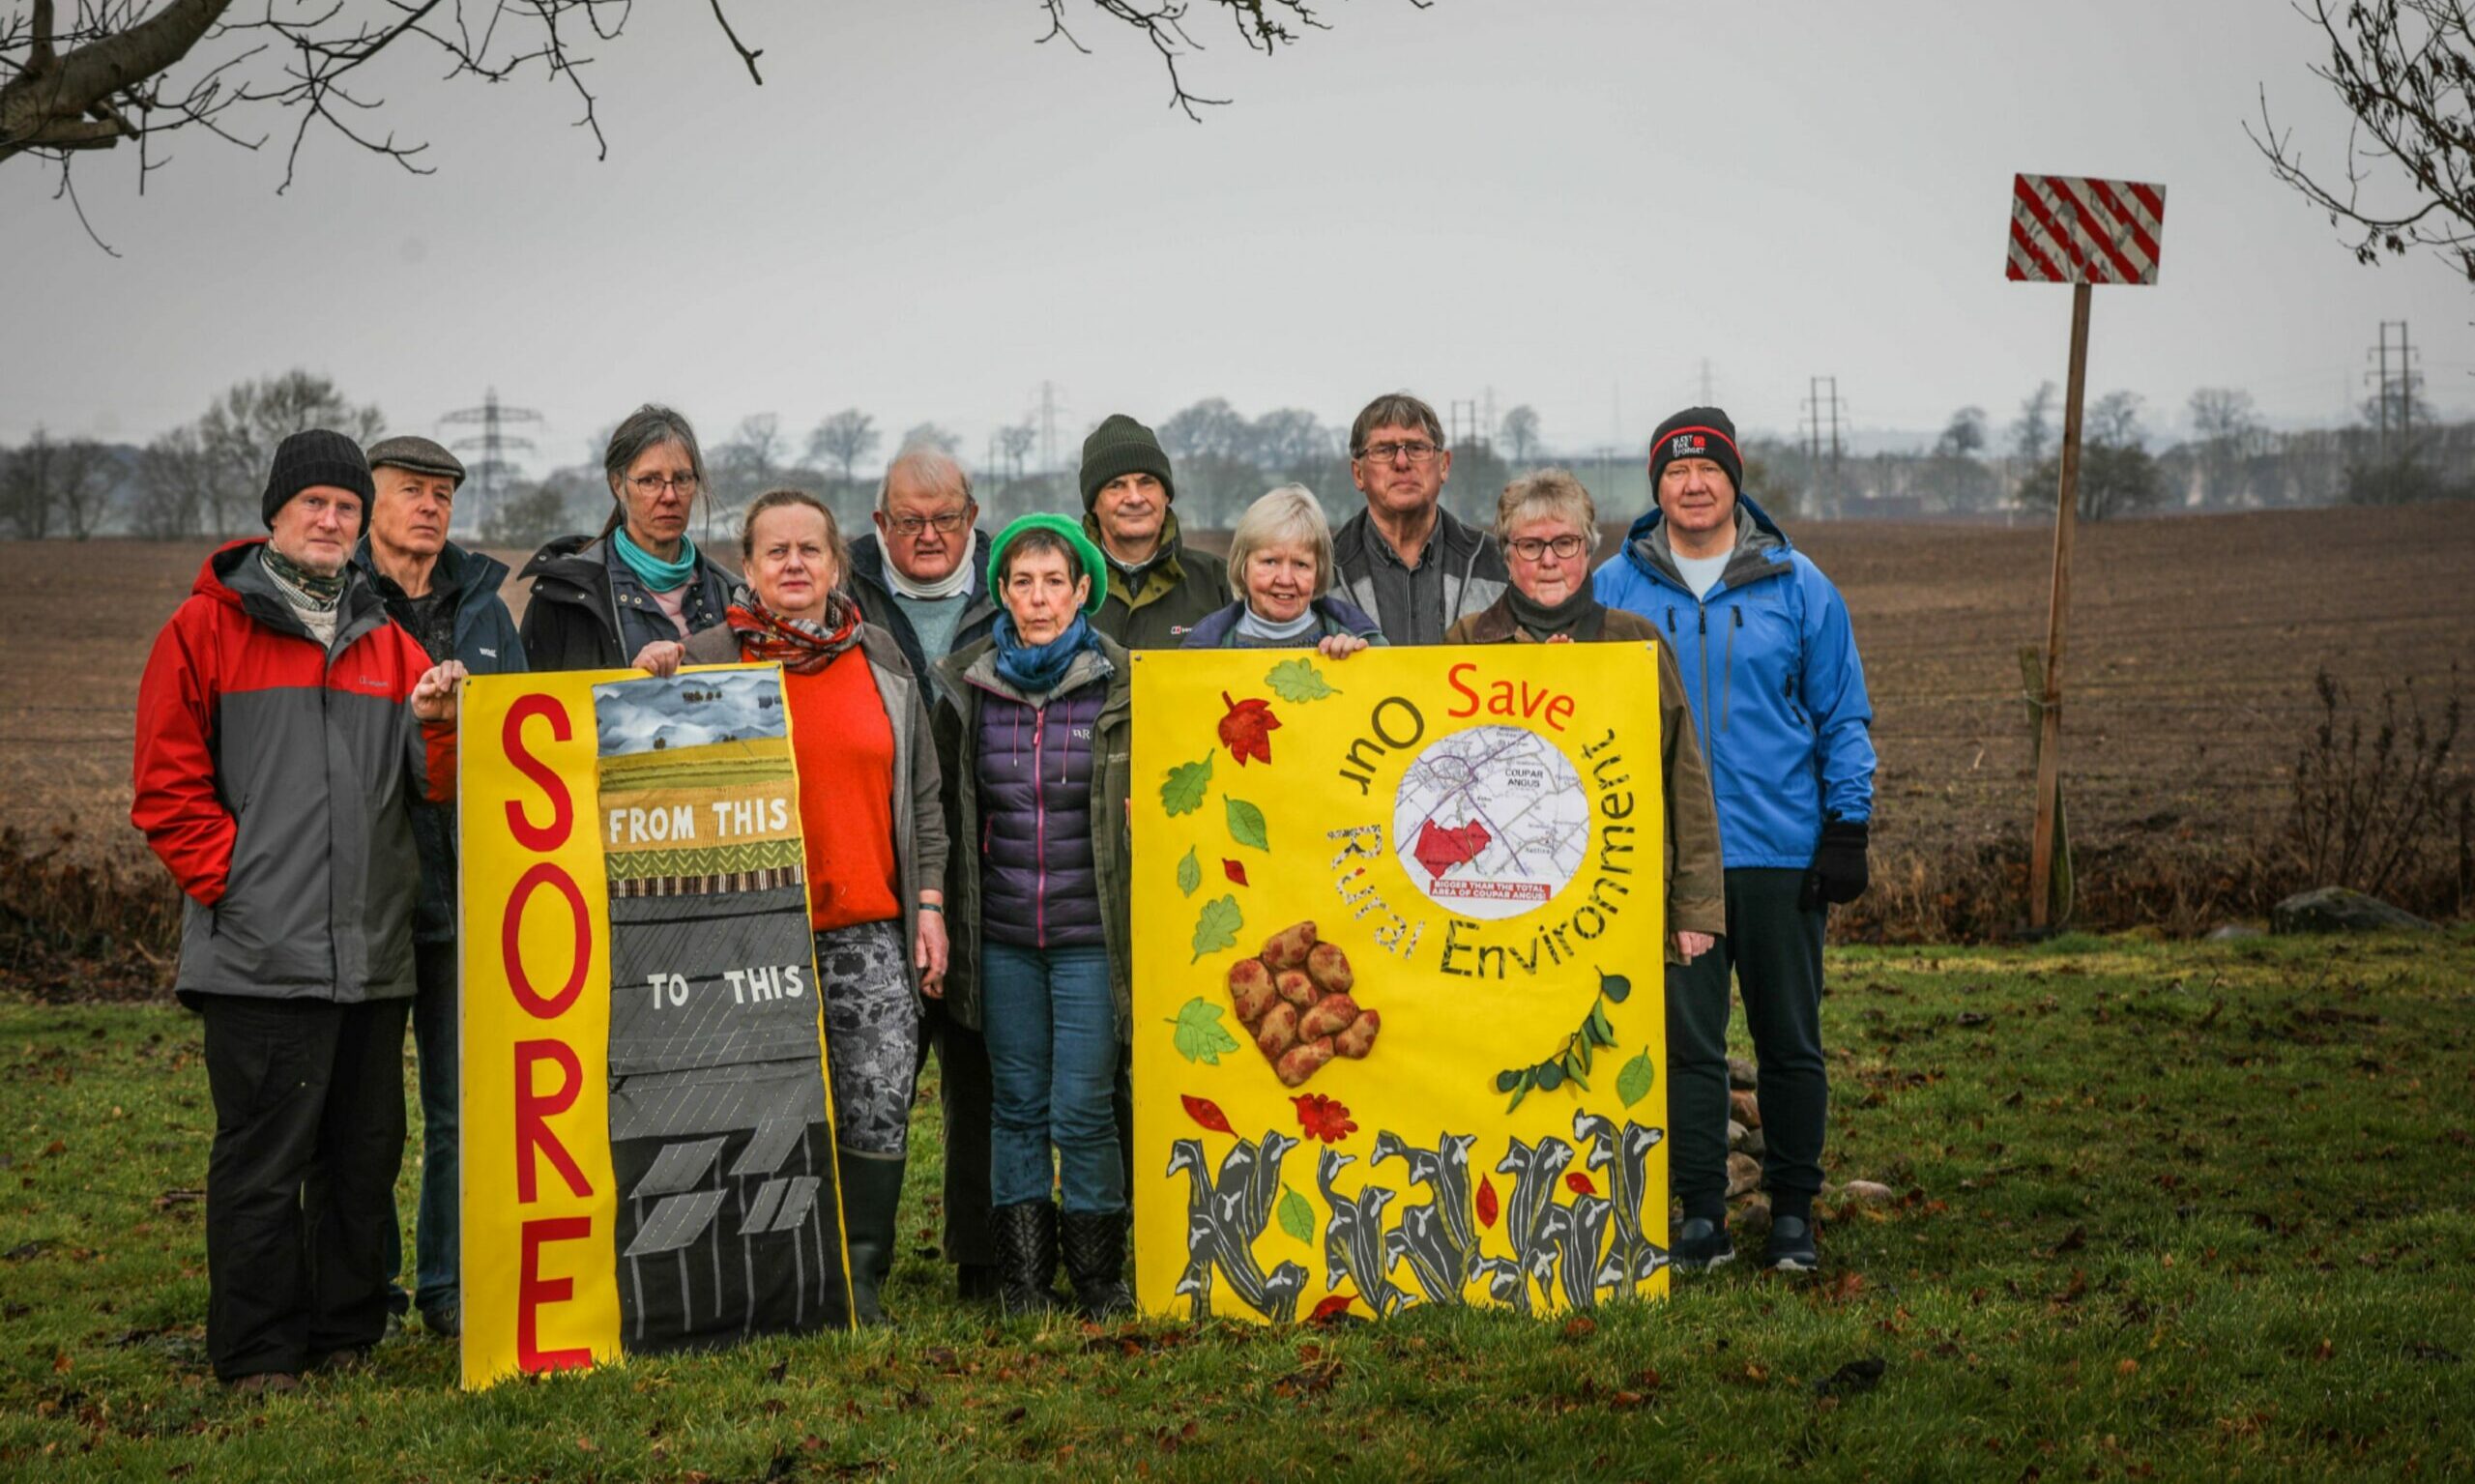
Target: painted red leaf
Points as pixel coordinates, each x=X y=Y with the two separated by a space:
x=1579 y=1183
x=1338 y=1303
x=1247 y=730
x=1234 y=872
x=1203 y=1111
x=1323 y=1118
x=1486 y=1202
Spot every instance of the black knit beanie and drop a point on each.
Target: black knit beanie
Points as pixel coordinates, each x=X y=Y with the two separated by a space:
x=1698 y=432
x=317 y=456
x=1121 y=446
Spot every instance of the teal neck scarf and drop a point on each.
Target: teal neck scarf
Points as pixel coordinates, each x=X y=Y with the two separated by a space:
x=656 y=575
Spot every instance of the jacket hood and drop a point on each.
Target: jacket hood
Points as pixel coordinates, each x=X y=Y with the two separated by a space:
x=1761 y=548
x=558 y=551
x=215 y=574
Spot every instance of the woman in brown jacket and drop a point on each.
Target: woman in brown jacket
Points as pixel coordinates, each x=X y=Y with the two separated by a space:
x=1548 y=525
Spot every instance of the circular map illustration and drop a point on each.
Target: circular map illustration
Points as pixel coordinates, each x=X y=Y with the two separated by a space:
x=1490 y=822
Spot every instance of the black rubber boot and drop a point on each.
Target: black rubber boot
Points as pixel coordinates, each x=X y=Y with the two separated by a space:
x=1096 y=1264
x=871 y=1195
x=1026 y=1235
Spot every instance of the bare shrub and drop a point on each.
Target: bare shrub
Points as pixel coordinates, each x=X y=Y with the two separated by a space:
x=75 y=928
x=2375 y=811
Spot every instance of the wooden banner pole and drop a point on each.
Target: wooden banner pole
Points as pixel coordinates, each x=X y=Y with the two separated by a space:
x=2067 y=512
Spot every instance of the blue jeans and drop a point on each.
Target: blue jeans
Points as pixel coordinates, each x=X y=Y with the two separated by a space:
x=434 y=1045
x=1051 y=1026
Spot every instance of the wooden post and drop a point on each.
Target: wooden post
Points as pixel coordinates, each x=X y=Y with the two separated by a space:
x=2066 y=511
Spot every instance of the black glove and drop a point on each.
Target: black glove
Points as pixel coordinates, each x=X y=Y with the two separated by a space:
x=1837 y=871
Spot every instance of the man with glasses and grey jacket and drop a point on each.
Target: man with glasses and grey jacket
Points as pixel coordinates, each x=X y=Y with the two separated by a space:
x=1405 y=558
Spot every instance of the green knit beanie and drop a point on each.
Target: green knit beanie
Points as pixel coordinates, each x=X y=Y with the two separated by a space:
x=1121 y=446
x=1095 y=566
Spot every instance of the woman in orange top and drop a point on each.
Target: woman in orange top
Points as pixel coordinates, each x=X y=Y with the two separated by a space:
x=875 y=843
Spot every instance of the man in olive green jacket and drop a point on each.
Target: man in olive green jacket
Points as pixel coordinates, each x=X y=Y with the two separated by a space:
x=1159 y=588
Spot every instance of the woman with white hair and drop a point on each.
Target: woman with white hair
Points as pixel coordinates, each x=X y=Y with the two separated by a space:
x=1548 y=526
x=1280 y=562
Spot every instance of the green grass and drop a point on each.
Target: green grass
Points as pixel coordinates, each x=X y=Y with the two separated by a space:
x=2183 y=1210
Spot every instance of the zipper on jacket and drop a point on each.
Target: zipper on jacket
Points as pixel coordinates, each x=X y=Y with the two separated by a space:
x=1701 y=625
x=1039 y=827
x=1727 y=671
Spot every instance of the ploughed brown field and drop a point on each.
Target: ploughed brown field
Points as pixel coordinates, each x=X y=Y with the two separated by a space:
x=2189 y=666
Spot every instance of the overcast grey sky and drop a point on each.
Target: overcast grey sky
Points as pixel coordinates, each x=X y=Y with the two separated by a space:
x=920 y=213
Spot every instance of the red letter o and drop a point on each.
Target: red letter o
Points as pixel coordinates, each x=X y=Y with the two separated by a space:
x=509 y=934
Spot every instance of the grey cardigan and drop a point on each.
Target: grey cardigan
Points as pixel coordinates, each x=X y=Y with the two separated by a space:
x=919 y=830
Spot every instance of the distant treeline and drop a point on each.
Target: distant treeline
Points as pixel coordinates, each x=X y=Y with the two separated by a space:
x=202 y=478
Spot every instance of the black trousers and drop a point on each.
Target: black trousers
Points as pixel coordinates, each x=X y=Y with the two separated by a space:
x=963 y=1094
x=1774 y=948
x=301 y=1181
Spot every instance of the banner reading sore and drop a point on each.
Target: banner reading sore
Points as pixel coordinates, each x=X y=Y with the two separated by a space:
x=1399 y=991
x=646 y=1131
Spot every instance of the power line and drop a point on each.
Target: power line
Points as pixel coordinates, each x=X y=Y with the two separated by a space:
x=1826 y=481
x=490 y=473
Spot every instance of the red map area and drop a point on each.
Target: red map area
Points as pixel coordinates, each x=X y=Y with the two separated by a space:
x=1440 y=850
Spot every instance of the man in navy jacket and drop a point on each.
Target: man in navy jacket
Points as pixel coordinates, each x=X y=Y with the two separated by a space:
x=1770 y=666
x=447 y=600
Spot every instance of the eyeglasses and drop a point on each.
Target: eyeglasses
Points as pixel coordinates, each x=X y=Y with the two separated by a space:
x=909 y=527
x=649 y=484
x=1529 y=548
x=1386 y=453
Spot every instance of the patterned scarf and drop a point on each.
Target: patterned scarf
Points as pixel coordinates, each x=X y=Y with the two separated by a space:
x=304 y=587
x=800 y=645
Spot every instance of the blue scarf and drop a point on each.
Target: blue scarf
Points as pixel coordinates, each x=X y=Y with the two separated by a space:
x=1034 y=669
x=656 y=575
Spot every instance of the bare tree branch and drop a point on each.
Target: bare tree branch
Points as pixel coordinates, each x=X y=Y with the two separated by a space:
x=2405 y=71
x=744 y=55
x=85 y=77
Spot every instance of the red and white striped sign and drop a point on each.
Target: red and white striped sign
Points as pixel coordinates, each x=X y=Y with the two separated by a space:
x=2073 y=229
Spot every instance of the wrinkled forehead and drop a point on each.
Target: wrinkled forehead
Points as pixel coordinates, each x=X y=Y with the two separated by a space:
x=1395 y=432
x=908 y=493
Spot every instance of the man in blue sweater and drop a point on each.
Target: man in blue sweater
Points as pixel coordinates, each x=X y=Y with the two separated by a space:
x=1770 y=667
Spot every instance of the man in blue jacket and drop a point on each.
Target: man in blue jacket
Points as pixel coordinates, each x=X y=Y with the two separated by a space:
x=1770 y=667
x=447 y=600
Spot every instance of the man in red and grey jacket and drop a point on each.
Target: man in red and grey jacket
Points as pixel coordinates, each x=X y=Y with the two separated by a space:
x=285 y=726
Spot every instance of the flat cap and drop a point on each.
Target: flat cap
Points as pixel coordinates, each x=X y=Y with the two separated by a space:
x=418 y=454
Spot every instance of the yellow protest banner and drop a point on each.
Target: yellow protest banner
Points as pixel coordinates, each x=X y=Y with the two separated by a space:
x=1399 y=1011
x=647 y=1135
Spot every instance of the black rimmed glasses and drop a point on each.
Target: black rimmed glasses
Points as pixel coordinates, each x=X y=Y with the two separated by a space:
x=1529 y=548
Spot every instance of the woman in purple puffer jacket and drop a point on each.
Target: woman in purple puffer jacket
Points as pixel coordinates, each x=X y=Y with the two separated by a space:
x=1033 y=730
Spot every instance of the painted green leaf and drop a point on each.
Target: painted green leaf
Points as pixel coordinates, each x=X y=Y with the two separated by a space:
x=1190 y=873
x=1216 y=927
x=1199 y=1036
x=1182 y=791
x=1296 y=1217
x=1639 y=1076
x=1247 y=825
x=1298 y=679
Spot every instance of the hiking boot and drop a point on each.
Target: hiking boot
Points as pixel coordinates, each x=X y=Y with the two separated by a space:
x=1096 y=1264
x=1791 y=1247
x=267 y=1383
x=1701 y=1244
x=444 y=1318
x=1026 y=1235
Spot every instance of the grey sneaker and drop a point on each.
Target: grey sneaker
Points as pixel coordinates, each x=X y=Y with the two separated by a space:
x=1791 y=1247
x=1701 y=1243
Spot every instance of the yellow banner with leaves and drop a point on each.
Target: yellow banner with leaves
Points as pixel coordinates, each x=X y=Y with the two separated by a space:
x=1399 y=1010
